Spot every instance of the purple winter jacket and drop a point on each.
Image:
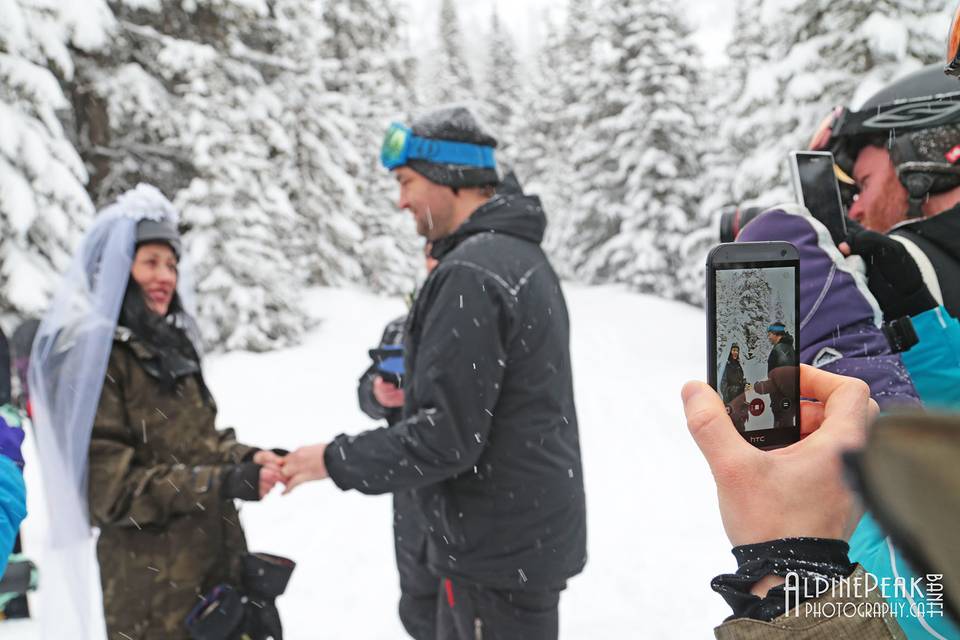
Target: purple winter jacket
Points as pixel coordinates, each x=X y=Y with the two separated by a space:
x=839 y=317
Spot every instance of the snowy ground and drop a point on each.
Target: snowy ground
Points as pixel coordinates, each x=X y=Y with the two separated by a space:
x=655 y=538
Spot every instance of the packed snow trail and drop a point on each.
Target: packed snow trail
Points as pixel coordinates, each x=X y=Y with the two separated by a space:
x=654 y=537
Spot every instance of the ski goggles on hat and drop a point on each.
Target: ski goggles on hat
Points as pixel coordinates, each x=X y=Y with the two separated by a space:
x=401 y=145
x=953 y=46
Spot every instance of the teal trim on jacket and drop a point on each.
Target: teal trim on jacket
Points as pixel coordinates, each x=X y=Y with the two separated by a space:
x=934 y=363
x=875 y=551
x=13 y=507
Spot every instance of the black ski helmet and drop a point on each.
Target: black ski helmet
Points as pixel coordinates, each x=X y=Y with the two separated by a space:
x=917 y=118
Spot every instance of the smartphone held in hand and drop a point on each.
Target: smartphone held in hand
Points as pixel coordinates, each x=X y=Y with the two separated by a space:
x=753 y=309
x=817 y=188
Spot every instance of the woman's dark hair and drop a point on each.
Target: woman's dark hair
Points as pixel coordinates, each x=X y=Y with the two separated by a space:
x=160 y=333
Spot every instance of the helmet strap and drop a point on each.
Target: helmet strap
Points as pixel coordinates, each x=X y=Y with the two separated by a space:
x=919 y=178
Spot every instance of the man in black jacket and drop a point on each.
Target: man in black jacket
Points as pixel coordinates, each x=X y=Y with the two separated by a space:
x=781 y=382
x=488 y=440
x=382 y=400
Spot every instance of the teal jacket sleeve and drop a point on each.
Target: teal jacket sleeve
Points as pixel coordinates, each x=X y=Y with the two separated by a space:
x=13 y=507
x=934 y=363
x=919 y=617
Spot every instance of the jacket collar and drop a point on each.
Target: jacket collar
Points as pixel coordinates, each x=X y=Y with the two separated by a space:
x=517 y=215
x=942 y=229
x=138 y=346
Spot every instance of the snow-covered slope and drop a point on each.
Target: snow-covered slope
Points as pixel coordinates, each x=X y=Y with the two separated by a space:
x=654 y=537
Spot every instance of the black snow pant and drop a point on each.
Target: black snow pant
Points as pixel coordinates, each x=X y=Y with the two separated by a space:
x=418 y=586
x=468 y=611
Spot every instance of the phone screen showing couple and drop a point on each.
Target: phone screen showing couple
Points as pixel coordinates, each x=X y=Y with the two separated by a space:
x=756 y=350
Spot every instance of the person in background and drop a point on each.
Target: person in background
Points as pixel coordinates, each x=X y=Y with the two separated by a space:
x=13 y=492
x=383 y=399
x=904 y=162
x=733 y=384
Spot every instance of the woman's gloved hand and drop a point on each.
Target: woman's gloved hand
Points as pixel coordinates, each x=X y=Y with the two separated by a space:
x=248 y=481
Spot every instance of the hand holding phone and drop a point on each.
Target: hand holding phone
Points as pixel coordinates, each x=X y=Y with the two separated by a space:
x=806 y=490
x=753 y=308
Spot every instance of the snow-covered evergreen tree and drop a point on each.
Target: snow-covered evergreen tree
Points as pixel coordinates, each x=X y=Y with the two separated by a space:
x=642 y=165
x=818 y=55
x=746 y=321
x=43 y=204
x=540 y=154
x=503 y=93
x=375 y=80
x=560 y=110
x=183 y=101
x=725 y=90
x=451 y=77
x=322 y=168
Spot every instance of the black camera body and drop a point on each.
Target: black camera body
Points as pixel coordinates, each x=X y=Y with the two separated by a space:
x=733 y=218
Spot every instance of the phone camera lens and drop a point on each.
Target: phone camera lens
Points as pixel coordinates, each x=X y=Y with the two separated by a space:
x=783 y=253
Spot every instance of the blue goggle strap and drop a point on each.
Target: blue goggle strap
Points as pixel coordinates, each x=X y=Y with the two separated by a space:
x=440 y=152
x=449 y=152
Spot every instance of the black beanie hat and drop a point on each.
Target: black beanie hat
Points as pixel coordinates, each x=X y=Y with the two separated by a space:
x=158 y=231
x=457 y=124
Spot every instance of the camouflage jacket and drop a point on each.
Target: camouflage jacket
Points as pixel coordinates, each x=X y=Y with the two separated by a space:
x=156 y=463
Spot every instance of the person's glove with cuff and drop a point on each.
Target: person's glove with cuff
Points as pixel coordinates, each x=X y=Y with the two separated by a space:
x=815 y=561
x=892 y=274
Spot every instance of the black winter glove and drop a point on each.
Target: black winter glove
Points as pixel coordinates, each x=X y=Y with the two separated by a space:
x=892 y=274
x=253 y=452
x=241 y=481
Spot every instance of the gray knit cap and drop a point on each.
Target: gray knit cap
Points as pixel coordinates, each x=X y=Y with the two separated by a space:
x=458 y=124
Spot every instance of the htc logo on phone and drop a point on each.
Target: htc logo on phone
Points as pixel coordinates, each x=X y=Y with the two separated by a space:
x=757 y=439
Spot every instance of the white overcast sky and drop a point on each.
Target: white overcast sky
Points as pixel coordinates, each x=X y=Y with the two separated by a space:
x=713 y=20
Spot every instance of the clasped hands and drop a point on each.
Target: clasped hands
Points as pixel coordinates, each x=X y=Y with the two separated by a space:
x=291 y=470
x=306 y=463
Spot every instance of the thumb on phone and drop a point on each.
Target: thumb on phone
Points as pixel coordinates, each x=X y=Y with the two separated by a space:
x=711 y=427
